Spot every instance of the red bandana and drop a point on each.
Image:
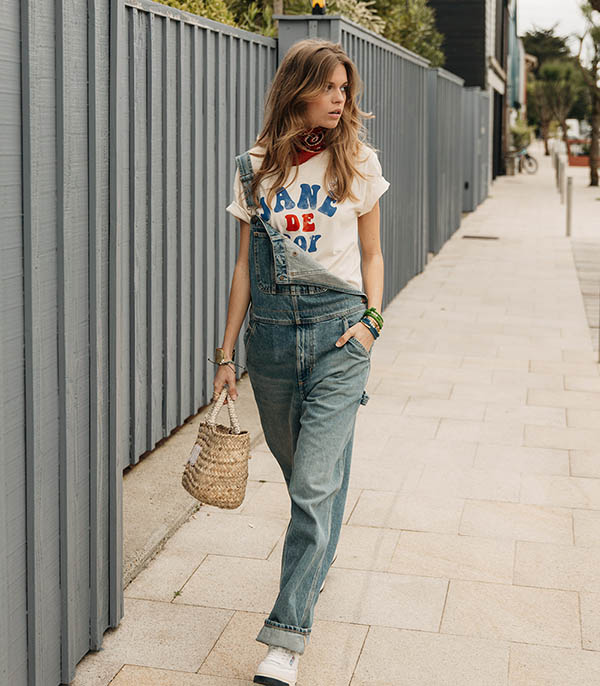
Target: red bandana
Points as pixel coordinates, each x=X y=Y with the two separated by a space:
x=314 y=140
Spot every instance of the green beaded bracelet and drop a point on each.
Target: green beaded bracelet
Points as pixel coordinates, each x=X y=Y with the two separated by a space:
x=376 y=316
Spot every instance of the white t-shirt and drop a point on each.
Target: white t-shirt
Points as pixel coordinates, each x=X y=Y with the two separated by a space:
x=311 y=218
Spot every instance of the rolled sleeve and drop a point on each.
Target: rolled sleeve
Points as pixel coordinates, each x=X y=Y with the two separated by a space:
x=238 y=207
x=375 y=185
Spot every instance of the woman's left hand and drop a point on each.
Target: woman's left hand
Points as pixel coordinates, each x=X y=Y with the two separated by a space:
x=358 y=331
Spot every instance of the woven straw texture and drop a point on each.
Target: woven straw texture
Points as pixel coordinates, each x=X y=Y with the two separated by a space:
x=216 y=472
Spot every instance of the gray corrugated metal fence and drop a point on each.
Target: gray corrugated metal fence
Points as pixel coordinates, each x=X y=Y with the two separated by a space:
x=445 y=160
x=120 y=123
x=190 y=98
x=475 y=144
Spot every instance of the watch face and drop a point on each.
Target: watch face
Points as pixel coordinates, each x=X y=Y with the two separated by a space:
x=219 y=357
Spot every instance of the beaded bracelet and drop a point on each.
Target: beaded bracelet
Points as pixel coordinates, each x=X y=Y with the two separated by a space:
x=373 y=321
x=371 y=311
x=227 y=362
x=371 y=328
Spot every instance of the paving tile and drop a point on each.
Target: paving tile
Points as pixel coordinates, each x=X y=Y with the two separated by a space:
x=496 y=364
x=362 y=547
x=439 y=407
x=521 y=459
x=585 y=400
x=587 y=369
x=516 y=521
x=582 y=419
x=524 y=380
x=403 y=371
x=582 y=383
x=154 y=634
x=457 y=375
x=466 y=347
x=526 y=414
x=565 y=438
x=394 y=472
x=513 y=394
x=535 y=665
x=590 y=620
x=586 y=528
x=273 y=500
x=398 y=600
x=550 y=565
x=206 y=532
x=427 y=360
x=560 y=491
x=409 y=511
x=528 y=352
x=453 y=556
x=430 y=659
x=488 y=484
x=264 y=467
x=131 y=675
x=500 y=433
x=396 y=391
x=329 y=657
x=585 y=463
x=579 y=355
x=512 y=613
x=231 y=583
x=431 y=452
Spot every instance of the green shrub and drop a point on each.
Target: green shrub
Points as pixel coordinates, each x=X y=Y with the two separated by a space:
x=521 y=134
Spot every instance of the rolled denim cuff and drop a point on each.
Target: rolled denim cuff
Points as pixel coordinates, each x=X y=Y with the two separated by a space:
x=275 y=634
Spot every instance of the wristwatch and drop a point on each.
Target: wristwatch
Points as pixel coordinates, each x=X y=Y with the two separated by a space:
x=220 y=355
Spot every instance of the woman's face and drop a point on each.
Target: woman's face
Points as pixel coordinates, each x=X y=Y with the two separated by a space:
x=332 y=98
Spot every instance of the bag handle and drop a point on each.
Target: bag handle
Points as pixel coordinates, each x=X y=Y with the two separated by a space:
x=212 y=415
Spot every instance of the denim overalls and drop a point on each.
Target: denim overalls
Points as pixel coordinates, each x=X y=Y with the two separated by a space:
x=308 y=392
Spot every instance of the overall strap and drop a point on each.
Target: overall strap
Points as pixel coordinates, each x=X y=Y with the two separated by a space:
x=246 y=174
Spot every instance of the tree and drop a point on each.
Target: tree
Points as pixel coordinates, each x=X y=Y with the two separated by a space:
x=591 y=76
x=411 y=24
x=543 y=44
x=539 y=110
x=361 y=12
x=212 y=9
x=560 y=83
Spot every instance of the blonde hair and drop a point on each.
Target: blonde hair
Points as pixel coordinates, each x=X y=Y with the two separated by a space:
x=302 y=75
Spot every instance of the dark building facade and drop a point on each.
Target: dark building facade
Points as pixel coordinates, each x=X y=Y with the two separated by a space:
x=475 y=45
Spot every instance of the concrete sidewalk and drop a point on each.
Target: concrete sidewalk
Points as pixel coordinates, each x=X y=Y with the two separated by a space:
x=470 y=554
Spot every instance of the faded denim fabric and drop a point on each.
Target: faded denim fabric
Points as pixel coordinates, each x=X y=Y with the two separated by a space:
x=308 y=392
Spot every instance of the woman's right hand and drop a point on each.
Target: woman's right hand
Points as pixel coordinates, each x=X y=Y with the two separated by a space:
x=225 y=375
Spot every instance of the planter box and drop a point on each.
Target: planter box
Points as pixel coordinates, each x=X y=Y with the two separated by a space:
x=579 y=161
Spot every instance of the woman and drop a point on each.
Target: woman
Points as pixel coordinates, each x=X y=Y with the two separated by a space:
x=305 y=195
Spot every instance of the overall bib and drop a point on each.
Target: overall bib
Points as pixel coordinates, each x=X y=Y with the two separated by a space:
x=308 y=392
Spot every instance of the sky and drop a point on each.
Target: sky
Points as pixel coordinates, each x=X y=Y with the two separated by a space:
x=545 y=13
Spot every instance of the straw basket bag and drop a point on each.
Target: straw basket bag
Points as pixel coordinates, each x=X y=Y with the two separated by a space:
x=216 y=472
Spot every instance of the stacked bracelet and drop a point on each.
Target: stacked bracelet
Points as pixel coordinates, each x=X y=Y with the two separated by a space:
x=369 y=324
x=372 y=312
x=373 y=321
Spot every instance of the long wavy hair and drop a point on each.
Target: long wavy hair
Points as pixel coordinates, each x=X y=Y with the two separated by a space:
x=302 y=76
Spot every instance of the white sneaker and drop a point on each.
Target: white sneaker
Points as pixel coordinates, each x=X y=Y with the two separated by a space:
x=279 y=668
x=330 y=566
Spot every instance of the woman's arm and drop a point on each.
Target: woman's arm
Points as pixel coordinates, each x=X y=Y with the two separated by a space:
x=372 y=257
x=372 y=272
x=239 y=299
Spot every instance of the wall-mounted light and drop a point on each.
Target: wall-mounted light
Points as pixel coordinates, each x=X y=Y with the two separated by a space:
x=318 y=6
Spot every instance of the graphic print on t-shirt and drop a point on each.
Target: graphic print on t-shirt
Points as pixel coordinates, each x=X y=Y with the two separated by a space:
x=299 y=225
x=303 y=210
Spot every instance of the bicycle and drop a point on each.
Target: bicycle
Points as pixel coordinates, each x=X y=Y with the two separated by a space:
x=526 y=161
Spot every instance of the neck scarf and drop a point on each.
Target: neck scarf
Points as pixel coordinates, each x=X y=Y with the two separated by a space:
x=314 y=140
